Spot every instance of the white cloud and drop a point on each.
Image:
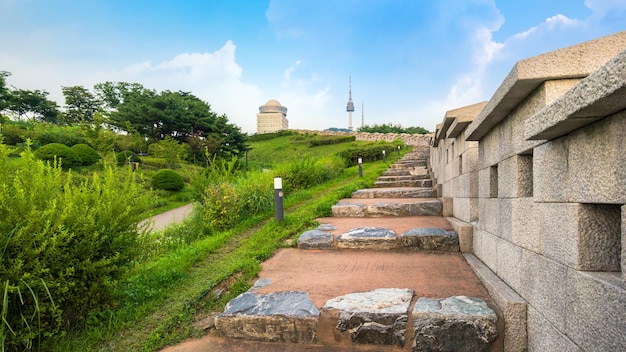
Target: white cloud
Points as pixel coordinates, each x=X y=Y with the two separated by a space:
x=213 y=77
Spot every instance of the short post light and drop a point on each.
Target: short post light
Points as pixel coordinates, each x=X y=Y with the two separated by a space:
x=398 y=150
x=360 y=167
x=384 y=155
x=278 y=198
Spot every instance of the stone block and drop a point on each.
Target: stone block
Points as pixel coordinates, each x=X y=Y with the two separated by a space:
x=543 y=336
x=465 y=232
x=624 y=244
x=430 y=239
x=367 y=238
x=342 y=210
x=478 y=235
x=544 y=285
x=489 y=250
x=466 y=209
x=447 y=206
x=601 y=178
x=512 y=306
x=507 y=264
x=470 y=158
x=315 y=239
x=519 y=223
x=581 y=236
x=468 y=185
x=277 y=317
x=483 y=182
x=515 y=177
x=489 y=149
x=596 y=311
x=550 y=168
x=457 y=323
x=450 y=188
x=489 y=215
x=376 y=317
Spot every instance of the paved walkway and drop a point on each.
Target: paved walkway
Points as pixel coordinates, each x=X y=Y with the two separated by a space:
x=174 y=216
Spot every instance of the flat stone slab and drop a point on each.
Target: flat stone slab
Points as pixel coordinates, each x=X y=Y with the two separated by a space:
x=457 y=323
x=367 y=238
x=404 y=183
x=396 y=224
x=277 y=317
x=430 y=239
x=381 y=207
x=375 y=317
x=394 y=192
x=316 y=239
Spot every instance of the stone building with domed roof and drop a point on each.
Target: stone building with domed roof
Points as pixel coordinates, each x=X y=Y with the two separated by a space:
x=272 y=117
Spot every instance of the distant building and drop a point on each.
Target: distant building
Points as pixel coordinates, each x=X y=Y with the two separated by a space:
x=350 y=106
x=272 y=117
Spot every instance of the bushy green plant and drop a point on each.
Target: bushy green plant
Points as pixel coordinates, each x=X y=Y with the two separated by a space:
x=168 y=180
x=369 y=152
x=307 y=172
x=65 y=244
x=326 y=140
x=45 y=133
x=87 y=154
x=58 y=151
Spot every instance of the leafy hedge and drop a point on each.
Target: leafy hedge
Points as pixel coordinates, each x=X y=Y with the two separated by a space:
x=369 y=152
x=168 y=180
x=87 y=154
x=64 y=245
x=126 y=156
x=268 y=136
x=55 y=151
x=327 y=140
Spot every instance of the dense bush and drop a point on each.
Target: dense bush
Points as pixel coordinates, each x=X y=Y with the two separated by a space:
x=168 y=180
x=65 y=244
x=87 y=154
x=268 y=136
x=44 y=133
x=13 y=134
x=391 y=128
x=53 y=151
x=326 y=140
x=127 y=156
x=369 y=152
x=307 y=172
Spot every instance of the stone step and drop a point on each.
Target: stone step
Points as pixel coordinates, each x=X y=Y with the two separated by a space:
x=406 y=183
x=394 y=192
x=382 y=207
x=378 y=238
x=377 y=317
x=408 y=164
x=408 y=177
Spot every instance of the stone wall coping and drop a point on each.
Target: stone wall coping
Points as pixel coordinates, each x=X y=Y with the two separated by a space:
x=577 y=61
x=464 y=117
x=601 y=94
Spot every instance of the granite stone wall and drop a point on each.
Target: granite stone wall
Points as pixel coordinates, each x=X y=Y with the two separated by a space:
x=537 y=175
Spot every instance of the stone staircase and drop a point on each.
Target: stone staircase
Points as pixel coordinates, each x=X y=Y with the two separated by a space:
x=400 y=220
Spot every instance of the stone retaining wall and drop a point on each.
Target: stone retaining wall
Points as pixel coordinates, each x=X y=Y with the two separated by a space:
x=538 y=174
x=409 y=139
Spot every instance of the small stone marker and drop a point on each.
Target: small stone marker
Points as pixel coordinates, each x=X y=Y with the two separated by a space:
x=457 y=323
x=374 y=317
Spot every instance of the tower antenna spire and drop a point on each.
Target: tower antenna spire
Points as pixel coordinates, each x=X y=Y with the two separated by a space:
x=350 y=106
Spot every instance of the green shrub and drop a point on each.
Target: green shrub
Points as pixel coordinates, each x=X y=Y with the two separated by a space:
x=53 y=151
x=307 y=172
x=65 y=244
x=45 y=133
x=126 y=156
x=87 y=154
x=369 y=152
x=168 y=180
x=327 y=140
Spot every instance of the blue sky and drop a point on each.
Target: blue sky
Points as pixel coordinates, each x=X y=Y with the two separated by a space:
x=410 y=60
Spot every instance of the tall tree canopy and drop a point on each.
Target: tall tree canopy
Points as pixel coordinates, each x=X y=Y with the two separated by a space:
x=80 y=105
x=179 y=115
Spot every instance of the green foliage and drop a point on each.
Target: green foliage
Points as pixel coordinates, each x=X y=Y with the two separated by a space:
x=87 y=154
x=44 y=133
x=369 y=152
x=13 y=134
x=307 y=172
x=391 y=128
x=326 y=140
x=170 y=150
x=270 y=136
x=57 y=151
x=65 y=244
x=168 y=180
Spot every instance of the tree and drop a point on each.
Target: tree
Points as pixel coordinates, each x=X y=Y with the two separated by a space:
x=4 y=91
x=32 y=105
x=80 y=105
